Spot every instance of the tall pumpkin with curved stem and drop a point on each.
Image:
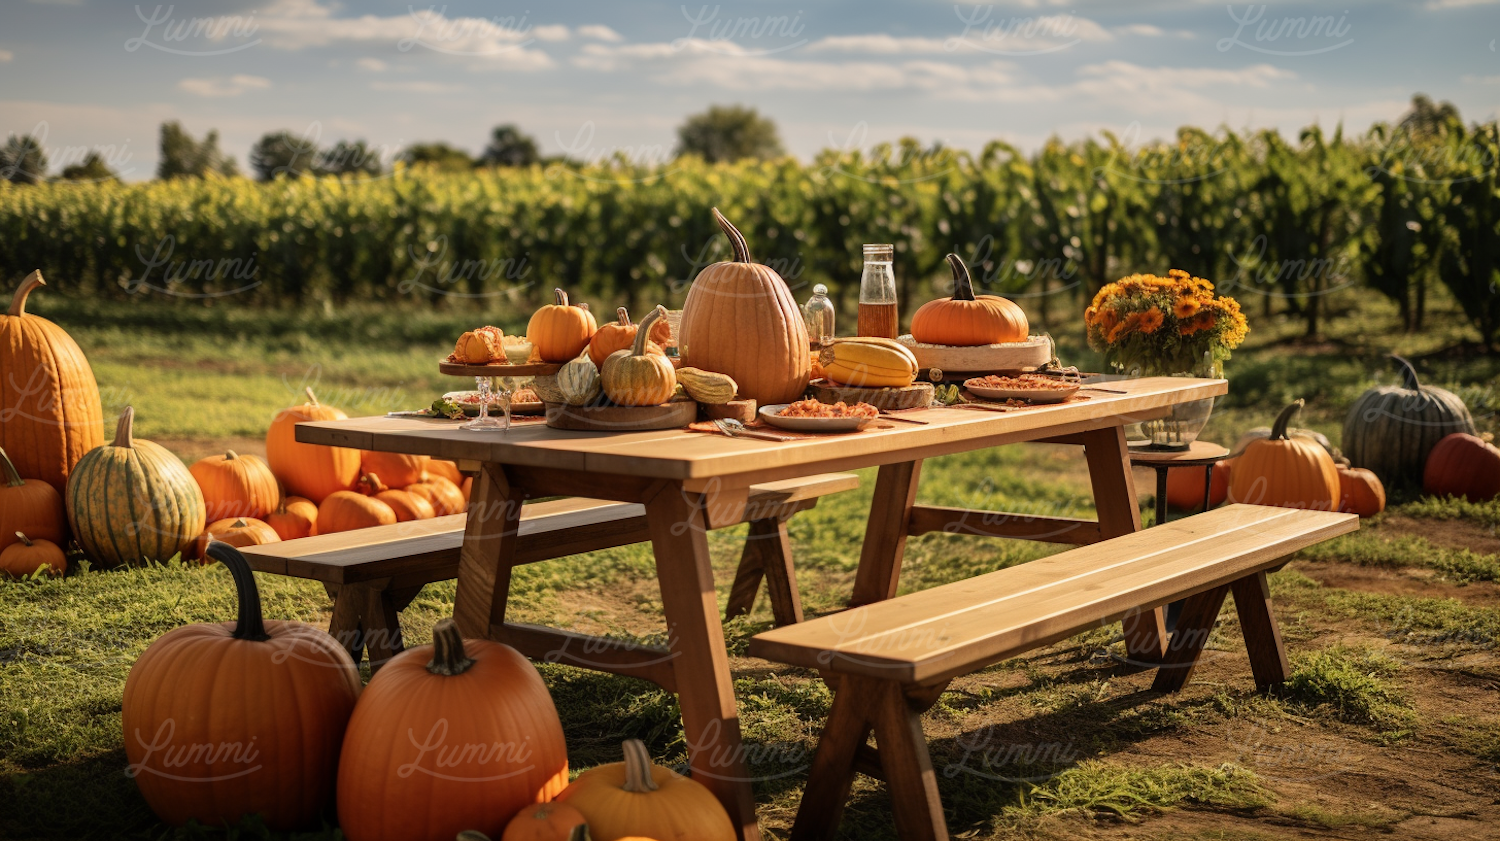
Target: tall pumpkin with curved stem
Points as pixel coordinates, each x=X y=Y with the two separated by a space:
x=309 y=470
x=966 y=319
x=132 y=500
x=457 y=735
x=739 y=319
x=1392 y=429
x=1285 y=471
x=49 y=402
x=229 y=719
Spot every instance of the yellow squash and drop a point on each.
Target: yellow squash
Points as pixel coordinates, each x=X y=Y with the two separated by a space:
x=866 y=362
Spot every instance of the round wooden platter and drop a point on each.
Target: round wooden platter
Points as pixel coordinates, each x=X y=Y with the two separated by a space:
x=611 y=418
x=989 y=359
x=916 y=395
x=499 y=369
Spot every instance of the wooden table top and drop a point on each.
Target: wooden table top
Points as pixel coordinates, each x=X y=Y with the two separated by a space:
x=678 y=454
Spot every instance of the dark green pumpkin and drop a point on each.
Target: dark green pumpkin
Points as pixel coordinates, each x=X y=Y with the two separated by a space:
x=132 y=500
x=1390 y=429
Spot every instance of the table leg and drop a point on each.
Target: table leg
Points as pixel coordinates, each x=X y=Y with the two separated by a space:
x=885 y=534
x=705 y=688
x=491 y=535
x=1114 y=498
x=1161 y=496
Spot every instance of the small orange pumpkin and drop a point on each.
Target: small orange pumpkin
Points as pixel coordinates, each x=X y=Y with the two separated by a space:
x=446 y=469
x=394 y=469
x=28 y=505
x=407 y=505
x=236 y=486
x=1463 y=465
x=637 y=798
x=544 y=822
x=1360 y=491
x=295 y=517
x=1285 y=471
x=636 y=377
x=1185 y=486
x=967 y=320
x=24 y=556
x=620 y=335
x=446 y=497
x=347 y=510
x=243 y=531
x=558 y=332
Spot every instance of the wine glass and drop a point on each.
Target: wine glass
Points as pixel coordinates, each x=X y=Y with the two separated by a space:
x=485 y=423
x=508 y=387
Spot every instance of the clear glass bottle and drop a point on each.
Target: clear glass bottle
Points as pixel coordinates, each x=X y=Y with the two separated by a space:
x=878 y=315
x=817 y=313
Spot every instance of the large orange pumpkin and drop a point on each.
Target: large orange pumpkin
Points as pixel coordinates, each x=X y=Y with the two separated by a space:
x=394 y=469
x=457 y=735
x=620 y=335
x=560 y=331
x=236 y=486
x=1463 y=465
x=224 y=720
x=28 y=505
x=49 y=402
x=739 y=319
x=240 y=532
x=347 y=511
x=295 y=517
x=310 y=470
x=1185 y=486
x=1360 y=491
x=966 y=319
x=1285 y=471
x=637 y=798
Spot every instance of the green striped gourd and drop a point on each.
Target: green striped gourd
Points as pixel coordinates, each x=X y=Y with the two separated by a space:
x=131 y=500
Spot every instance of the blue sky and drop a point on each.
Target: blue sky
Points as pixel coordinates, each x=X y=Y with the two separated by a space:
x=594 y=78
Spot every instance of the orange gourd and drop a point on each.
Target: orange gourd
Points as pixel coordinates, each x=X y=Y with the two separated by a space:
x=457 y=735
x=240 y=532
x=223 y=720
x=28 y=505
x=294 y=518
x=236 y=486
x=620 y=335
x=1463 y=465
x=25 y=555
x=407 y=505
x=1185 y=486
x=1285 y=471
x=309 y=470
x=446 y=469
x=347 y=511
x=637 y=798
x=50 y=413
x=446 y=497
x=635 y=377
x=739 y=319
x=560 y=331
x=394 y=469
x=1360 y=491
x=966 y=319
x=544 y=822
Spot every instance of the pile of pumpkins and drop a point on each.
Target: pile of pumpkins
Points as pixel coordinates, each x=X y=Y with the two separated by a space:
x=1410 y=434
x=413 y=756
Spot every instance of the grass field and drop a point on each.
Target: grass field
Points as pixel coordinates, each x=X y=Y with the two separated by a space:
x=1391 y=723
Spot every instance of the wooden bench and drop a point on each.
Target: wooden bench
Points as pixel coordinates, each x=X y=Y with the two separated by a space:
x=890 y=660
x=373 y=574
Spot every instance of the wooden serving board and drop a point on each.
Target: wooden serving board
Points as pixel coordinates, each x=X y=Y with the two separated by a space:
x=740 y=410
x=610 y=418
x=914 y=396
x=989 y=359
x=493 y=369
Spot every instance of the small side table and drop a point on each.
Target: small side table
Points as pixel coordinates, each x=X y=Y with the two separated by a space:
x=1198 y=454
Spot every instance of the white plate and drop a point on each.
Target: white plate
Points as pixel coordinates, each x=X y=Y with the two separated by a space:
x=771 y=415
x=1030 y=395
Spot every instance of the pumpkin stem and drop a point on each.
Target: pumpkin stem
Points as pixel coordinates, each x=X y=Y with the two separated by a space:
x=124 y=430
x=24 y=539
x=637 y=766
x=312 y=399
x=230 y=455
x=623 y=315
x=250 y=625
x=579 y=833
x=1278 y=428
x=12 y=476
x=963 y=282
x=18 y=303
x=560 y=296
x=1408 y=373
x=238 y=524
x=736 y=239
x=448 y=656
x=638 y=348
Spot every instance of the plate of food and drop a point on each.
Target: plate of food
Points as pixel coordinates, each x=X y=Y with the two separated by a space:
x=1033 y=388
x=523 y=401
x=814 y=416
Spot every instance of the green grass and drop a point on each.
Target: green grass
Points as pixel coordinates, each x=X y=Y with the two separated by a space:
x=1099 y=787
x=1371 y=549
x=1352 y=686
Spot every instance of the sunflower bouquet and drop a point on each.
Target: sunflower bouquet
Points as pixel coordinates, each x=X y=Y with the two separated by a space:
x=1165 y=325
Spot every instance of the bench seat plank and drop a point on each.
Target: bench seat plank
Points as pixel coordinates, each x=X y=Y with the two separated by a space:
x=955 y=628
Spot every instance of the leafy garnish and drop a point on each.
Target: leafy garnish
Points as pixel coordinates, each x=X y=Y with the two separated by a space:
x=446 y=409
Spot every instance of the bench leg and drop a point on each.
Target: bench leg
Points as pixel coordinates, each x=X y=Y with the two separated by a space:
x=885 y=535
x=908 y=768
x=832 y=772
x=367 y=618
x=768 y=554
x=1252 y=601
x=1193 y=628
x=344 y=625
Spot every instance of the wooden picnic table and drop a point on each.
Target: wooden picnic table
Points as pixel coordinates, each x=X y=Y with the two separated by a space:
x=690 y=482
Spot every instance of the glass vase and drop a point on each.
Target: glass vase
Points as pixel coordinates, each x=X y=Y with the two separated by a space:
x=1177 y=430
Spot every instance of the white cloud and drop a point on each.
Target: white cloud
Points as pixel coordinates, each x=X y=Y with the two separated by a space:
x=1146 y=30
x=1001 y=36
x=6 y=56
x=415 y=87
x=1458 y=4
x=600 y=33
x=879 y=44
x=374 y=65
x=224 y=86
x=1480 y=80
